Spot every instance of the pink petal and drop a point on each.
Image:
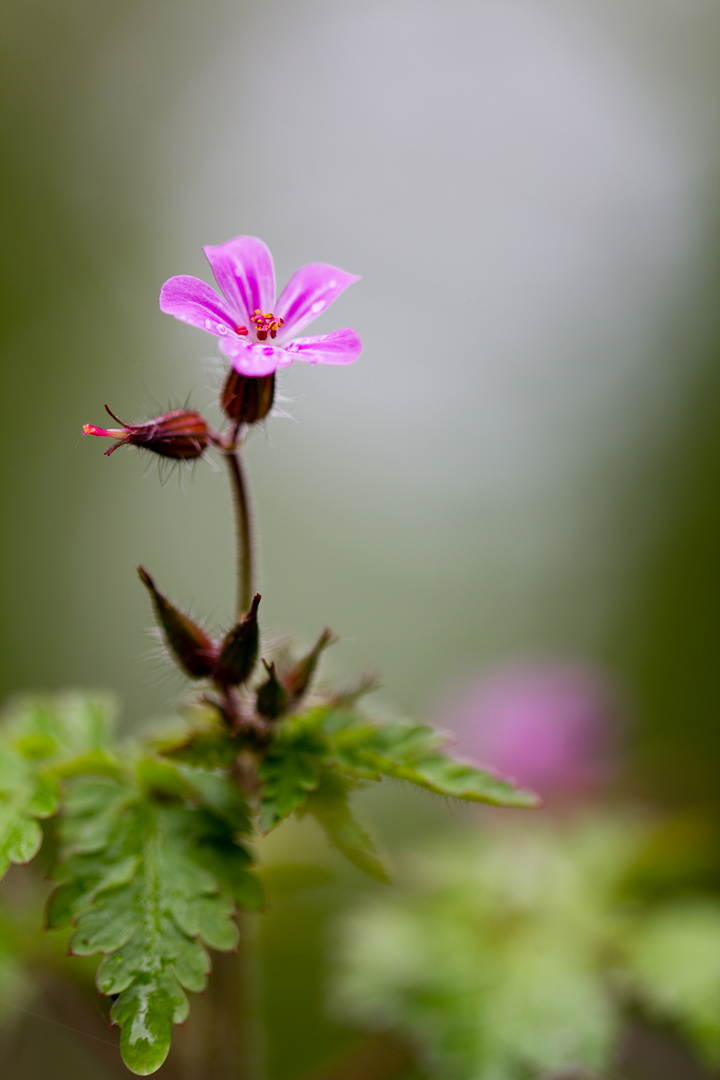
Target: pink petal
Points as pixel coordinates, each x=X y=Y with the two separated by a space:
x=243 y=269
x=194 y=302
x=254 y=360
x=340 y=347
x=308 y=293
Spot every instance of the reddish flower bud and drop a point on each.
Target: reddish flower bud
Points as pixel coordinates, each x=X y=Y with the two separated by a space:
x=247 y=399
x=191 y=647
x=297 y=680
x=272 y=697
x=239 y=650
x=182 y=435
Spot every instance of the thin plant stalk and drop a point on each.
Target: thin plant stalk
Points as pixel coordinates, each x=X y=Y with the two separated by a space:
x=243 y=531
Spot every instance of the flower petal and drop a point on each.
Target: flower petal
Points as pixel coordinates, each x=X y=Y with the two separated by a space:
x=308 y=293
x=193 y=301
x=243 y=268
x=340 y=347
x=254 y=360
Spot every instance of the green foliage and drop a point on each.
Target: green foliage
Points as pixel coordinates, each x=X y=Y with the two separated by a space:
x=147 y=882
x=315 y=759
x=520 y=953
x=152 y=836
x=25 y=797
x=40 y=740
x=674 y=967
x=290 y=770
x=415 y=753
x=360 y=750
x=329 y=805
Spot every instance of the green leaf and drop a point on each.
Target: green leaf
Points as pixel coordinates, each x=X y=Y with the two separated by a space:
x=413 y=752
x=329 y=805
x=210 y=748
x=289 y=771
x=674 y=964
x=66 y=725
x=135 y=881
x=42 y=737
x=25 y=797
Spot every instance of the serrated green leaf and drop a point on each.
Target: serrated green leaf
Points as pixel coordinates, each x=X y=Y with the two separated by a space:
x=290 y=770
x=146 y=1013
x=137 y=880
x=26 y=795
x=329 y=805
x=208 y=749
x=413 y=752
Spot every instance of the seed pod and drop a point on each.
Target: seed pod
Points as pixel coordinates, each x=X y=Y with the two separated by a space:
x=239 y=649
x=272 y=697
x=190 y=646
x=297 y=680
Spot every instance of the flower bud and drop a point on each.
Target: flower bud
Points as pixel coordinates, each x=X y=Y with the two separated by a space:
x=191 y=647
x=239 y=650
x=297 y=680
x=272 y=697
x=246 y=399
x=181 y=435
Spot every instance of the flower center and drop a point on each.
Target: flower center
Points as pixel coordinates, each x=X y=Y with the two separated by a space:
x=265 y=324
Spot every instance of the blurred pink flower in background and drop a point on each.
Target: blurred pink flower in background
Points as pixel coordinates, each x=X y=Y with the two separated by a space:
x=553 y=726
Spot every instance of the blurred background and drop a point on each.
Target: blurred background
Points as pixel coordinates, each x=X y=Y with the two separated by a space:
x=521 y=470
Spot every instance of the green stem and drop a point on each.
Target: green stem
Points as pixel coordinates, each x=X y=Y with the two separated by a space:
x=243 y=523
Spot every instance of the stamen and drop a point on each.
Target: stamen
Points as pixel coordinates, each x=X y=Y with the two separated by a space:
x=241 y=330
x=265 y=324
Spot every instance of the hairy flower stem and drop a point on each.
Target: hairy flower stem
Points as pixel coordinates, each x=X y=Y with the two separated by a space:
x=243 y=525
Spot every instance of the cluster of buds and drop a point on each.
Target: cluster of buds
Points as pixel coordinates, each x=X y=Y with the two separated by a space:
x=230 y=662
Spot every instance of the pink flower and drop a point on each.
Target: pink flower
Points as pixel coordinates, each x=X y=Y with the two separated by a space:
x=552 y=725
x=258 y=332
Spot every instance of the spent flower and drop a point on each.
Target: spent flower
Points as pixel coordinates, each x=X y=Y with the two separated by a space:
x=181 y=434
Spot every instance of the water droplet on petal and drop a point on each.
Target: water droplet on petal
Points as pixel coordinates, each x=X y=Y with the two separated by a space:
x=318 y=306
